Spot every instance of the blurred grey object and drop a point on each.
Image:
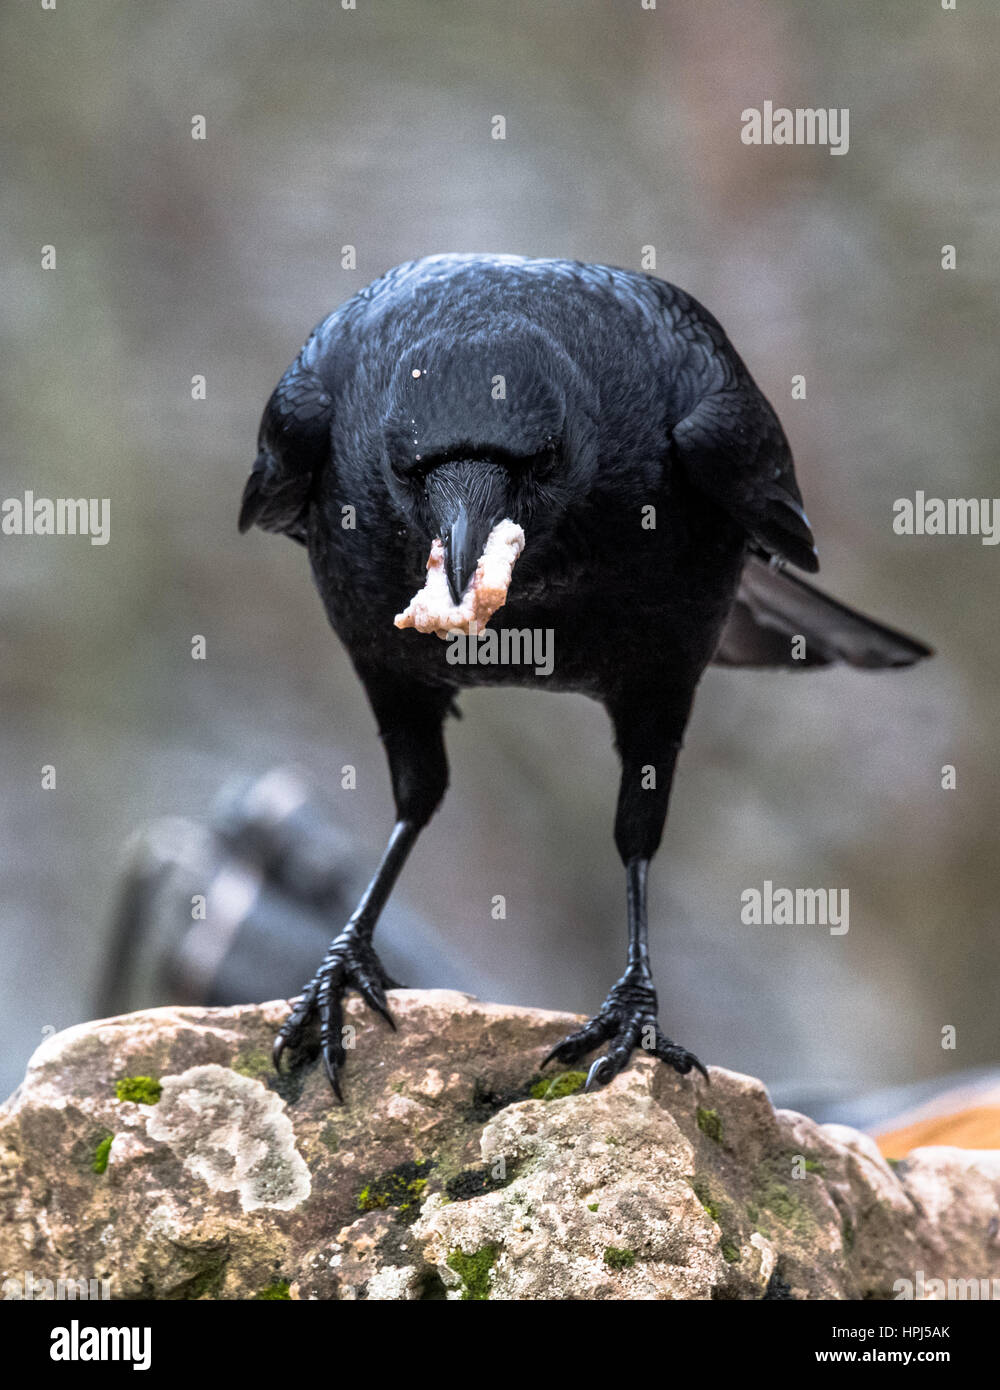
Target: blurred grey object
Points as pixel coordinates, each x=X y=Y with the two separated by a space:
x=237 y=910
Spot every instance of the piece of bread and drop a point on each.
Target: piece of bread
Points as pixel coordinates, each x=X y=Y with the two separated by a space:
x=431 y=610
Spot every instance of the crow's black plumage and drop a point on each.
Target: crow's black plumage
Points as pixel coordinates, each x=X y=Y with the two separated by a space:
x=607 y=413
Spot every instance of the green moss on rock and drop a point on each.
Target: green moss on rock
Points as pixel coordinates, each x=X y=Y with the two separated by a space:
x=474 y=1271
x=402 y=1187
x=329 y=1138
x=779 y=1200
x=724 y=1215
x=619 y=1259
x=784 y=1204
x=273 y=1291
x=703 y=1193
x=254 y=1063
x=100 y=1163
x=710 y=1124
x=143 y=1090
x=566 y=1084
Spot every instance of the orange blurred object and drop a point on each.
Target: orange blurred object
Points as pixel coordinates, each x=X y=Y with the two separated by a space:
x=965 y=1117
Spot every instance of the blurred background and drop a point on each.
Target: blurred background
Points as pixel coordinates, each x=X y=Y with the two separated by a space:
x=371 y=128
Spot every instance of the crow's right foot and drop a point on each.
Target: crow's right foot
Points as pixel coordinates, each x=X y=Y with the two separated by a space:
x=350 y=963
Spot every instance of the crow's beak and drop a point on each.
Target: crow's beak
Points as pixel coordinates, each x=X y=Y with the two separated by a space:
x=462 y=550
x=467 y=500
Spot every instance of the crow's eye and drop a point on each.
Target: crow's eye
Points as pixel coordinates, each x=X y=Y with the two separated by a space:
x=531 y=465
x=547 y=457
x=410 y=473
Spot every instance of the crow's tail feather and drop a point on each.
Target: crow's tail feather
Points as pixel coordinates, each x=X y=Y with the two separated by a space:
x=773 y=607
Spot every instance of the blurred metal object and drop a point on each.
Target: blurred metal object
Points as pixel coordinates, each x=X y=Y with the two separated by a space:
x=238 y=910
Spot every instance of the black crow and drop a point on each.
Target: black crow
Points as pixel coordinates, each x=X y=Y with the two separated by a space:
x=607 y=414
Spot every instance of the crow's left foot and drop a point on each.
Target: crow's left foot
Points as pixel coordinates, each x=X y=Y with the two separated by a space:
x=628 y=1020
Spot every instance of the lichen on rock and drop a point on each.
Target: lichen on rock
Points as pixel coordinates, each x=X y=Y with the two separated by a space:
x=234 y=1135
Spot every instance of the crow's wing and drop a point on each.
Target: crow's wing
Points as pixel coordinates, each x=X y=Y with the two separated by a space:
x=726 y=437
x=293 y=445
x=732 y=448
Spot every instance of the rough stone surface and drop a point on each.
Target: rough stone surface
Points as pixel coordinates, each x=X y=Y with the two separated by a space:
x=442 y=1177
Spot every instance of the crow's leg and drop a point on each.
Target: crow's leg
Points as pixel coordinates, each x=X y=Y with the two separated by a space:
x=648 y=733
x=410 y=720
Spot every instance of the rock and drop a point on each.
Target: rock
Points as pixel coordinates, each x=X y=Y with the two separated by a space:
x=160 y=1151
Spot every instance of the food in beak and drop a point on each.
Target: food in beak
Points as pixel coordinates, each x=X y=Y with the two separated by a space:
x=432 y=609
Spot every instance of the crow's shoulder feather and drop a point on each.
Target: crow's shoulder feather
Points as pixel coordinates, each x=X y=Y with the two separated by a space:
x=293 y=441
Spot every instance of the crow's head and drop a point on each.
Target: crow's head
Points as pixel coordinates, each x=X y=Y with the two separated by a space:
x=493 y=427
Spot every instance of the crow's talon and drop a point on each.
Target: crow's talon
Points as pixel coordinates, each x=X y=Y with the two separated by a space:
x=350 y=963
x=597 y=1076
x=678 y=1057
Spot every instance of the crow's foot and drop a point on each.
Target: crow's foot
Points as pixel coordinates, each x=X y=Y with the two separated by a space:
x=627 y=1020
x=350 y=963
